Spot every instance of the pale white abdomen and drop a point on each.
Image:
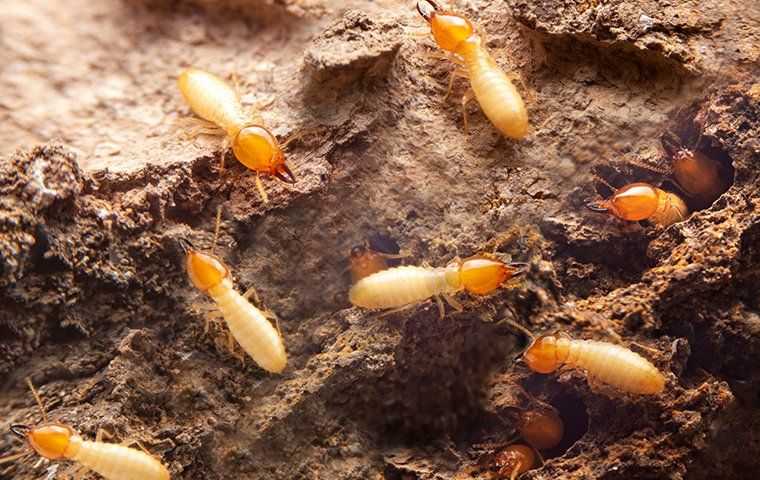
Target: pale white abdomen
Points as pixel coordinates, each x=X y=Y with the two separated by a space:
x=617 y=366
x=400 y=286
x=497 y=95
x=212 y=99
x=117 y=462
x=670 y=209
x=252 y=330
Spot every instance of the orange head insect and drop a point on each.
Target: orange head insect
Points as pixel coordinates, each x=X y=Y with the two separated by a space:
x=365 y=262
x=449 y=29
x=514 y=460
x=205 y=271
x=634 y=202
x=481 y=275
x=258 y=149
x=51 y=441
x=547 y=353
x=541 y=428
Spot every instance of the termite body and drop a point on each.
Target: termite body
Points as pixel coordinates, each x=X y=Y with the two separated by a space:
x=114 y=462
x=700 y=176
x=606 y=362
x=514 y=460
x=408 y=285
x=365 y=262
x=541 y=428
x=212 y=99
x=494 y=91
x=642 y=201
x=248 y=325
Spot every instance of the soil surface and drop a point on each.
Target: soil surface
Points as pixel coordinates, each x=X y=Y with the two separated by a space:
x=99 y=188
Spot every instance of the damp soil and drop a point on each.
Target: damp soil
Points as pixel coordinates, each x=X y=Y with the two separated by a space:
x=99 y=188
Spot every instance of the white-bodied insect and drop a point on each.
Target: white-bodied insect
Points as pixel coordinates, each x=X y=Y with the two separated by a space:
x=608 y=363
x=403 y=286
x=247 y=324
x=56 y=441
x=495 y=92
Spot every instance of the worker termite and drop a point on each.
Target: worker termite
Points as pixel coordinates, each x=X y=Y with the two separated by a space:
x=514 y=460
x=56 y=441
x=400 y=287
x=642 y=201
x=247 y=324
x=606 y=362
x=495 y=92
x=697 y=174
x=367 y=258
x=541 y=428
x=212 y=99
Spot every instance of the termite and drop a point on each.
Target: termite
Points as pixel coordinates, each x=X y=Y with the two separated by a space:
x=400 y=287
x=248 y=325
x=608 y=363
x=541 y=428
x=697 y=174
x=56 y=441
x=494 y=91
x=642 y=201
x=367 y=258
x=212 y=99
x=514 y=460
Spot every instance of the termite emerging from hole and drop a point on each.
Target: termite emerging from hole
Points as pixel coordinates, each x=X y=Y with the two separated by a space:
x=248 y=325
x=642 y=201
x=375 y=254
x=401 y=287
x=494 y=91
x=542 y=428
x=514 y=460
x=56 y=441
x=212 y=99
x=607 y=363
x=699 y=175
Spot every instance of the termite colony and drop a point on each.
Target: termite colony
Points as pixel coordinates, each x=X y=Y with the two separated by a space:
x=380 y=283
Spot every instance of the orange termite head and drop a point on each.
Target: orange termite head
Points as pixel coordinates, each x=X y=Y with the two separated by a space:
x=51 y=440
x=542 y=356
x=541 y=428
x=514 y=460
x=257 y=148
x=205 y=271
x=449 y=29
x=481 y=275
x=634 y=202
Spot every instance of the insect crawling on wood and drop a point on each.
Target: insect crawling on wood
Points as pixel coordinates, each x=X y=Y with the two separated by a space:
x=212 y=99
x=56 y=441
x=400 y=287
x=494 y=91
x=248 y=325
x=608 y=363
x=642 y=201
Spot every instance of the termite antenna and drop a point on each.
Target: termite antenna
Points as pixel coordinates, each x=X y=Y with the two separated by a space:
x=597 y=206
x=520 y=268
x=424 y=6
x=37 y=397
x=217 y=224
x=20 y=430
x=185 y=244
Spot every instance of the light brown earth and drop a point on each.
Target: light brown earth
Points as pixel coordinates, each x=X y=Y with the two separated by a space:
x=98 y=187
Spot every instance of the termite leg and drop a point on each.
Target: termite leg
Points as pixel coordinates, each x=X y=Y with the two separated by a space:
x=453 y=302
x=457 y=72
x=441 y=308
x=466 y=98
x=394 y=256
x=396 y=310
x=133 y=441
x=233 y=351
x=210 y=317
x=298 y=134
x=260 y=188
x=37 y=398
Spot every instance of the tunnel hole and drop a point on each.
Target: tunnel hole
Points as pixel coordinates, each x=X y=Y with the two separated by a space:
x=574 y=414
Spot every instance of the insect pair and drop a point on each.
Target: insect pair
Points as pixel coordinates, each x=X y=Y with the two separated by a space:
x=57 y=441
x=699 y=176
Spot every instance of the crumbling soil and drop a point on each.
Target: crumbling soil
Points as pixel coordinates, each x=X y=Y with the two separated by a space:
x=99 y=189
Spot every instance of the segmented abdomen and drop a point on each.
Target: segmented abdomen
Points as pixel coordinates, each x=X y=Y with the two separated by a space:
x=212 y=98
x=397 y=287
x=117 y=462
x=496 y=94
x=616 y=366
x=251 y=329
